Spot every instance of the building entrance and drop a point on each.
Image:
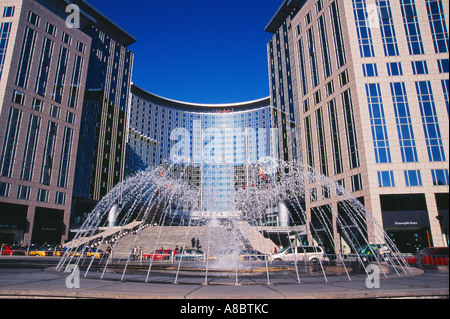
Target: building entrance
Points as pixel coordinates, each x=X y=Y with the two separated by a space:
x=410 y=240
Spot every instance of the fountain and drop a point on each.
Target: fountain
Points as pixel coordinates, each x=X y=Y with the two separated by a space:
x=274 y=204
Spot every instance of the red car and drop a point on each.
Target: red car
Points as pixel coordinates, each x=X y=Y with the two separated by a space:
x=160 y=254
x=433 y=256
x=8 y=250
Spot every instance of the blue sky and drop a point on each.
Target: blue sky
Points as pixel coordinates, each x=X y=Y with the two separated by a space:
x=204 y=51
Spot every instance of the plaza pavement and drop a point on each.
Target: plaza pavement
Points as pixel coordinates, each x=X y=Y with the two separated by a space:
x=25 y=278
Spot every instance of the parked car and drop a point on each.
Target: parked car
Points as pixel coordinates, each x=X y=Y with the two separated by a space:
x=10 y=250
x=32 y=250
x=252 y=255
x=302 y=253
x=160 y=254
x=190 y=254
x=93 y=252
x=86 y=252
x=375 y=251
x=432 y=256
x=45 y=251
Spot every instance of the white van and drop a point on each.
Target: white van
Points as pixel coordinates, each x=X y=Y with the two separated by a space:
x=303 y=253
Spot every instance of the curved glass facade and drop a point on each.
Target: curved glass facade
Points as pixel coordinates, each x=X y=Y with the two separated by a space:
x=217 y=142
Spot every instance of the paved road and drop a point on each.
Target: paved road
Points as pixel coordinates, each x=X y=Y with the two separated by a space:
x=27 y=277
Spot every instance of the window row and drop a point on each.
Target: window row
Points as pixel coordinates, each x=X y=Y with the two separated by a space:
x=24 y=192
x=405 y=129
x=39 y=106
x=413 y=178
x=379 y=16
x=38 y=136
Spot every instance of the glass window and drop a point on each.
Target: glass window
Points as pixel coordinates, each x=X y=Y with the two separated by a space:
x=18 y=97
x=301 y=59
x=326 y=60
x=44 y=67
x=50 y=29
x=405 y=128
x=313 y=57
x=356 y=183
x=438 y=25
x=352 y=142
x=37 y=105
x=363 y=29
x=75 y=82
x=306 y=105
x=60 y=198
x=340 y=187
x=335 y=135
x=23 y=192
x=386 y=179
x=10 y=142
x=394 y=68
x=378 y=123
x=65 y=157
x=81 y=47
x=445 y=89
x=60 y=76
x=54 y=111
x=319 y=6
x=343 y=78
x=419 y=67
x=329 y=88
x=5 y=29
x=321 y=142
x=370 y=70
x=49 y=149
x=443 y=65
x=412 y=29
x=8 y=12
x=67 y=39
x=387 y=28
x=26 y=55
x=309 y=142
x=413 y=178
x=42 y=195
x=4 y=189
x=337 y=34
x=440 y=177
x=30 y=148
x=70 y=118
x=33 y=18
x=430 y=122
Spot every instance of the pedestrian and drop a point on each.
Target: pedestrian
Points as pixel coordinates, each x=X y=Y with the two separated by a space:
x=193 y=242
x=176 y=248
x=197 y=243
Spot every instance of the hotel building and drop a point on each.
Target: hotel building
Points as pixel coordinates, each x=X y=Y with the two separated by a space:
x=215 y=141
x=370 y=107
x=58 y=67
